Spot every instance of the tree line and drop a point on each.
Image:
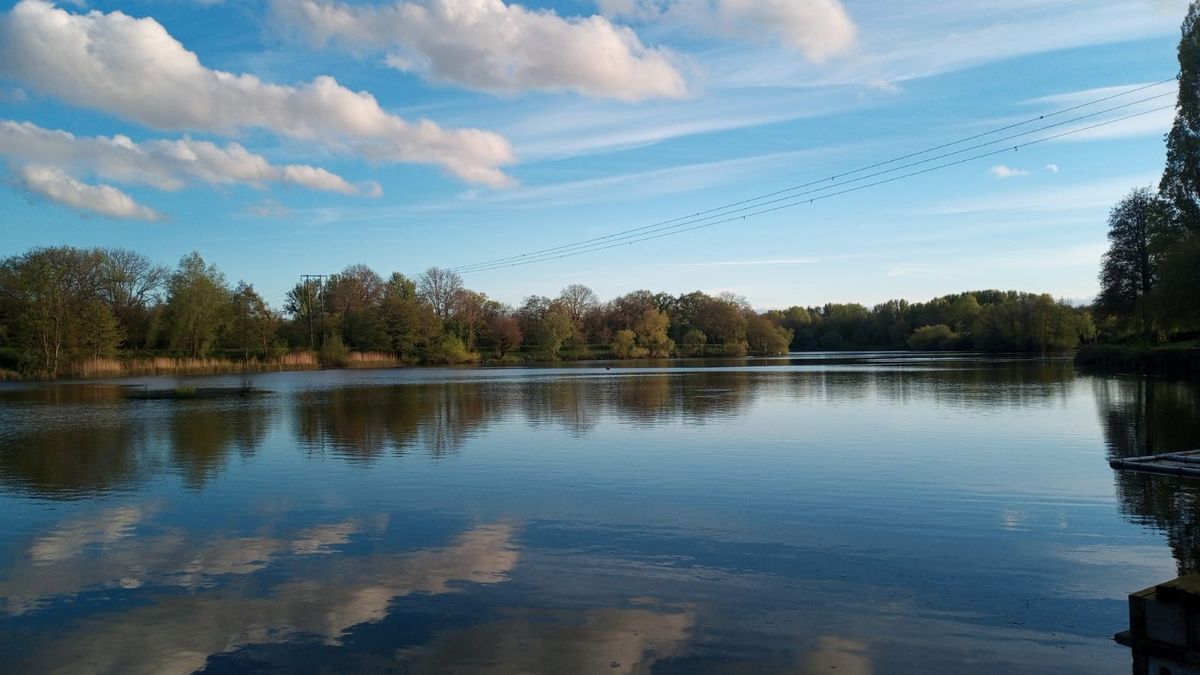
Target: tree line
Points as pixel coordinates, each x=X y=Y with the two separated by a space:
x=1150 y=274
x=62 y=305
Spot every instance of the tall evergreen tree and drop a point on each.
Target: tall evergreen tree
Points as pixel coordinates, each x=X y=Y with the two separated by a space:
x=1180 y=184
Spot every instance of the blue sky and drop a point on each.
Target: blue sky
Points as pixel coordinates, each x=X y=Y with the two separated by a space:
x=292 y=137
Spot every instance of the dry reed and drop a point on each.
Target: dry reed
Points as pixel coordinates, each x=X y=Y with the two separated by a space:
x=371 y=360
x=162 y=365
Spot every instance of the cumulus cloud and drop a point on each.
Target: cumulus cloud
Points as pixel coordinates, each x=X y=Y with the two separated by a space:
x=817 y=28
x=493 y=46
x=1001 y=171
x=135 y=69
x=105 y=200
x=163 y=164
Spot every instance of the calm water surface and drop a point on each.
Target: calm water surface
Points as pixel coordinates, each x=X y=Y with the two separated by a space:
x=870 y=514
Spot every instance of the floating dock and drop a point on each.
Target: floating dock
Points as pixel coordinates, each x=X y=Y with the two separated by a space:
x=1184 y=464
x=1164 y=628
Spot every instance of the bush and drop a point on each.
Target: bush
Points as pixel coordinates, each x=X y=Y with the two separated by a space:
x=451 y=351
x=625 y=346
x=938 y=336
x=334 y=353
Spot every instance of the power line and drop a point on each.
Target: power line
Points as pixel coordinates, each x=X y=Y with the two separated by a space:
x=791 y=202
x=720 y=212
x=827 y=183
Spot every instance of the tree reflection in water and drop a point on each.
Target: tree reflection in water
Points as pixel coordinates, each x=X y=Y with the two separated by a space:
x=1144 y=416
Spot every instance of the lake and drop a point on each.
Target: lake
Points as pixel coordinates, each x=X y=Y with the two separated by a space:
x=850 y=513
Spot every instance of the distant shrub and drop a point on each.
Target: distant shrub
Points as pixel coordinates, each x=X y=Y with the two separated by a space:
x=334 y=353
x=625 y=346
x=938 y=336
x=450 y=350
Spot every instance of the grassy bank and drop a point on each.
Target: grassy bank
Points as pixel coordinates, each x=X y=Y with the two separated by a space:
x=1176 y=359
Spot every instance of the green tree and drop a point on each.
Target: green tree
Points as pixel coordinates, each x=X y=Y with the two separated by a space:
x=764 y=336
x=1138 y=236
x=411 y=324
x=625 y=346
x=651 y=332
x=252 y=323
x=54 y=307
x=692 y=343
x=933 y=337
x=197 y=309
x=1180 y=185
x=724 y=324
x=305 y=304
x=551 y=332
x=1177 y=299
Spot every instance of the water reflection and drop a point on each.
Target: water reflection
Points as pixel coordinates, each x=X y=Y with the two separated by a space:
x=320 y=599
x=361 y=423
x=59 y=443
x=880 y=515
x=592 y=641
x=1146 y=416
x=203 y=434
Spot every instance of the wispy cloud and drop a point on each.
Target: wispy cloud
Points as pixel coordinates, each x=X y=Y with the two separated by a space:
x=1100 y=194
x=1001 y=171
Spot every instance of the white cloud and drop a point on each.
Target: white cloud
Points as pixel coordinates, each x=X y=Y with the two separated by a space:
x=1001 y=171
x=104 y=200
x=166 y=165
x=135 y=69
x=1052 y=168
x=817 y=28
x=493 y=46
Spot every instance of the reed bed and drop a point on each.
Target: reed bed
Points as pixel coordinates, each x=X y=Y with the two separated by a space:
x=372 y=360
x=163 y=365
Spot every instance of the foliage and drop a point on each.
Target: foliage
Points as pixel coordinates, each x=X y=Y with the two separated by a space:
x=450 y=350
x=334 y=352
x=692 y=343
x=197 y=308
x=766 y=337
x=1176 y=301
x=51 y=299
x=252 y=324
x=625 y=346
x=550 y=332
x=1138 y=237
x=67 y=296
x=1180 y=185
x=933 y=337
x=651 y=332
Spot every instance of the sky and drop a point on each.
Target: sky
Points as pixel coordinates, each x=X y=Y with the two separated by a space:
x=289 y=137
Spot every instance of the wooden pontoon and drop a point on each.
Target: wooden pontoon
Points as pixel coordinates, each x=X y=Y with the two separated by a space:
x=1184 y=464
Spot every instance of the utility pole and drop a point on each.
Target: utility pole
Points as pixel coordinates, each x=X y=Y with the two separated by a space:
x=307 y=280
